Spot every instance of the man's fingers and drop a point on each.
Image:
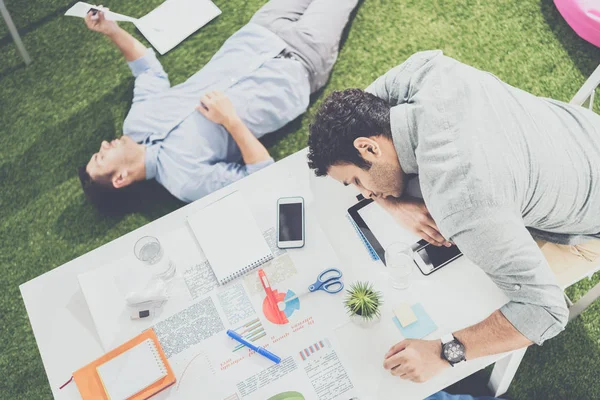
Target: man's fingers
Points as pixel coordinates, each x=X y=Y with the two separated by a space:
x=396 y=348
x=394 y=362
x=428 y=238
x=202 y=110
x=435 y=235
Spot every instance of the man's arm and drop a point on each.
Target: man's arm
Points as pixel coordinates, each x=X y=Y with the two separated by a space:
x=496 y=240
x=216 y=107
x=393 y=86
x=131 y=48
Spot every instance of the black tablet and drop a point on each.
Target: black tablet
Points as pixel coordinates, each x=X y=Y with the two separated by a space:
x=380 y=229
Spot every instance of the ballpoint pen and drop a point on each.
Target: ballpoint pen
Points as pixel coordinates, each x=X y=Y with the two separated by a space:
x=260 y=350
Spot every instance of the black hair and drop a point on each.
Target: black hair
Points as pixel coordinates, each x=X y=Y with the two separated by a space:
x=345 y=116
x=104 y=196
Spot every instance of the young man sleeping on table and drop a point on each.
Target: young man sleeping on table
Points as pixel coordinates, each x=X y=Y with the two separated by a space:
x=191 y=137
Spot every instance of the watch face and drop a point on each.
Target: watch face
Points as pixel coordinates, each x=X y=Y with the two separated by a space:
x=454 y=351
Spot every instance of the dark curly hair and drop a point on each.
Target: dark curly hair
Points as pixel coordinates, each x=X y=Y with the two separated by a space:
x=343 y=117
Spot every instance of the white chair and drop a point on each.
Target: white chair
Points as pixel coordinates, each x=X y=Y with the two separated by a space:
x=505 y=369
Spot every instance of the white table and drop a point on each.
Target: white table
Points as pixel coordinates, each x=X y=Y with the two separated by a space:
x=457 y=296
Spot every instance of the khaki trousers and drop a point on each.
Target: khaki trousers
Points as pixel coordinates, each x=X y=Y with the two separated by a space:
x=571 y=263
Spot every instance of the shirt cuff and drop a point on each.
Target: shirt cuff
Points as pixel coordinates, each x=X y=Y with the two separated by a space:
x=252 y=168
x=151 y=161
x=144 y=63
x=534 y=322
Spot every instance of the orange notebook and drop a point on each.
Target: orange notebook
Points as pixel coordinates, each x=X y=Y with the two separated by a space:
x=90 y=385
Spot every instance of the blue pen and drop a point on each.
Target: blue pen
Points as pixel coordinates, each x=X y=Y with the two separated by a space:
x=260 y=350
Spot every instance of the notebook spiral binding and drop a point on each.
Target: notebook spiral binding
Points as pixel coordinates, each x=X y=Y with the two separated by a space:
x=156 y=355
x=247 y=269
x=364 y=240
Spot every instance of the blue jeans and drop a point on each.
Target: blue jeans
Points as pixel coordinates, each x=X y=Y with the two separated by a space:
x=446 y=396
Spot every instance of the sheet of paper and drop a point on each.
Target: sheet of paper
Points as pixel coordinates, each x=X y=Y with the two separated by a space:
x=423 y=326
x=189 y=327
x=405 y=314
x=174 y=20
x=105 y=288
x=80 y=9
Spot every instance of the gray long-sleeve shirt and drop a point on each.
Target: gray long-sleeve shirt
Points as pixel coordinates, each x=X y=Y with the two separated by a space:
x=492 y=162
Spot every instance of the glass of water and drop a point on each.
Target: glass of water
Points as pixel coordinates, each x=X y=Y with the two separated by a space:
x=149 y=251
x=399 y=262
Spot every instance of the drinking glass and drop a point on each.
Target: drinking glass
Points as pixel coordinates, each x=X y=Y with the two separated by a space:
x=149 y=251
x=399 y=262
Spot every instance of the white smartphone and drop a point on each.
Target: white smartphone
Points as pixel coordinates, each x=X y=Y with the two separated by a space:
x=290 y=222
x=430 y=258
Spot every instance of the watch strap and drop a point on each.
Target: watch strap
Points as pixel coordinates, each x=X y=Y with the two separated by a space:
x=447 y=338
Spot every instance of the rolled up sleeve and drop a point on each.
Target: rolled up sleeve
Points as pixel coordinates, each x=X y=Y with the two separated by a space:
x=150 y=77
x=495 y=239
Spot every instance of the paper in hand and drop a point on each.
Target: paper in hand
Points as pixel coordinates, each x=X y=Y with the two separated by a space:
x=81 y=9
x=167 y=25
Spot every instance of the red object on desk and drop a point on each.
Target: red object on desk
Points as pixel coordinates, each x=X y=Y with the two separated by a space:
x=272 y=299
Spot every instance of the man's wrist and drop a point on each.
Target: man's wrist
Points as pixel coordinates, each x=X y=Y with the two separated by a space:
x=114 y=33
x=233 y=123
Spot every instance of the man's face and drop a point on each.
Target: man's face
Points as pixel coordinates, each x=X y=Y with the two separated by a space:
x=381 y=180
x=111 y=157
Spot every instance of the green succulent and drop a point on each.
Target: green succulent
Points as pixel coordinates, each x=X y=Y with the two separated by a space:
x=361 y=299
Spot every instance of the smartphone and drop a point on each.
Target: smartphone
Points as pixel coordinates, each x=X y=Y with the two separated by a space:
x=290 y=222
x=430 y=258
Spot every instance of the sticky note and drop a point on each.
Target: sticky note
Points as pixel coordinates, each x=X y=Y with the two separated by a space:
x=419 y=329
x=405 y=314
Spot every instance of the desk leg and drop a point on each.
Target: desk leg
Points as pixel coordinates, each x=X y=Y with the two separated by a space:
x=14 y=33
x=504 y=372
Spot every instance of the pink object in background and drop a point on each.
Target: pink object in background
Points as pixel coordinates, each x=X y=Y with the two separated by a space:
x=583 y=16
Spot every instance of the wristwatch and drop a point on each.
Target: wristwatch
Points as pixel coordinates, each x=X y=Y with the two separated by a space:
x=453 y=350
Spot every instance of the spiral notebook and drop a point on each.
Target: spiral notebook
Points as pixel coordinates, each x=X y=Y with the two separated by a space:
x=230 y=238
x=132 y=371
x=136 y=370
x=363 y=239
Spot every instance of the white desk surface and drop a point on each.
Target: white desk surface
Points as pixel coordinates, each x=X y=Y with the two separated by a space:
x=459 y=295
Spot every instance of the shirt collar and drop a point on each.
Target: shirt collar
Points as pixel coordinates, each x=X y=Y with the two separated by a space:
x=151 y=160
x=405 y=141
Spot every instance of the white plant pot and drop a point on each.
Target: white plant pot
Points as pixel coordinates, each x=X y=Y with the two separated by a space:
x=363 y=322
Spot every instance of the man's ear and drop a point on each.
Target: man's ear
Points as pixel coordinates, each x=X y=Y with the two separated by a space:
x=121 y=179
x=368 y=148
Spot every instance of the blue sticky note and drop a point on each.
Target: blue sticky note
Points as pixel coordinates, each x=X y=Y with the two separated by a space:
x=419 y=329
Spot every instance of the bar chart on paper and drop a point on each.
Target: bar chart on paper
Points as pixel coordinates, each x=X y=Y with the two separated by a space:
x=251 y=331
x=312 y=349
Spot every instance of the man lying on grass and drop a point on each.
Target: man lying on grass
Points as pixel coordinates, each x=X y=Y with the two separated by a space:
x=497 y=167
x=201 y=135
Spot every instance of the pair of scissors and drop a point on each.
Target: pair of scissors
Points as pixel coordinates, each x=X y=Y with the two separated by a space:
x=329 y=281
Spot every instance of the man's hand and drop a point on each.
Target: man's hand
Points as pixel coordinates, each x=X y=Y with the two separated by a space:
x=97 y=23
x=415 y=360
x=412 y=214
x=217 y=107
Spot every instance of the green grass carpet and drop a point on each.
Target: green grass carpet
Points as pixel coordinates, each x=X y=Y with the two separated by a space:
x=54 y=113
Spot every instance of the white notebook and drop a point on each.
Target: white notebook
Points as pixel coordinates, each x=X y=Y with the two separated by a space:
x=132 y=371
x=230 y=238
x=174 y=20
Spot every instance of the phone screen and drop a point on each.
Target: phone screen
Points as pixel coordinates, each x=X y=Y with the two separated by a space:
x=437 y=256
x=290 y=222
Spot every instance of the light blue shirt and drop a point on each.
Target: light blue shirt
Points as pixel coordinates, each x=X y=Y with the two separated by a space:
x=192 y=156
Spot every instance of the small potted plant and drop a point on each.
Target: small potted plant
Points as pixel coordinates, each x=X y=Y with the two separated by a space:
x=363 y=304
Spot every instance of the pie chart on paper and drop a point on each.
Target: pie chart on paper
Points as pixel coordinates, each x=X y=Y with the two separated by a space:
x=280 y=317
